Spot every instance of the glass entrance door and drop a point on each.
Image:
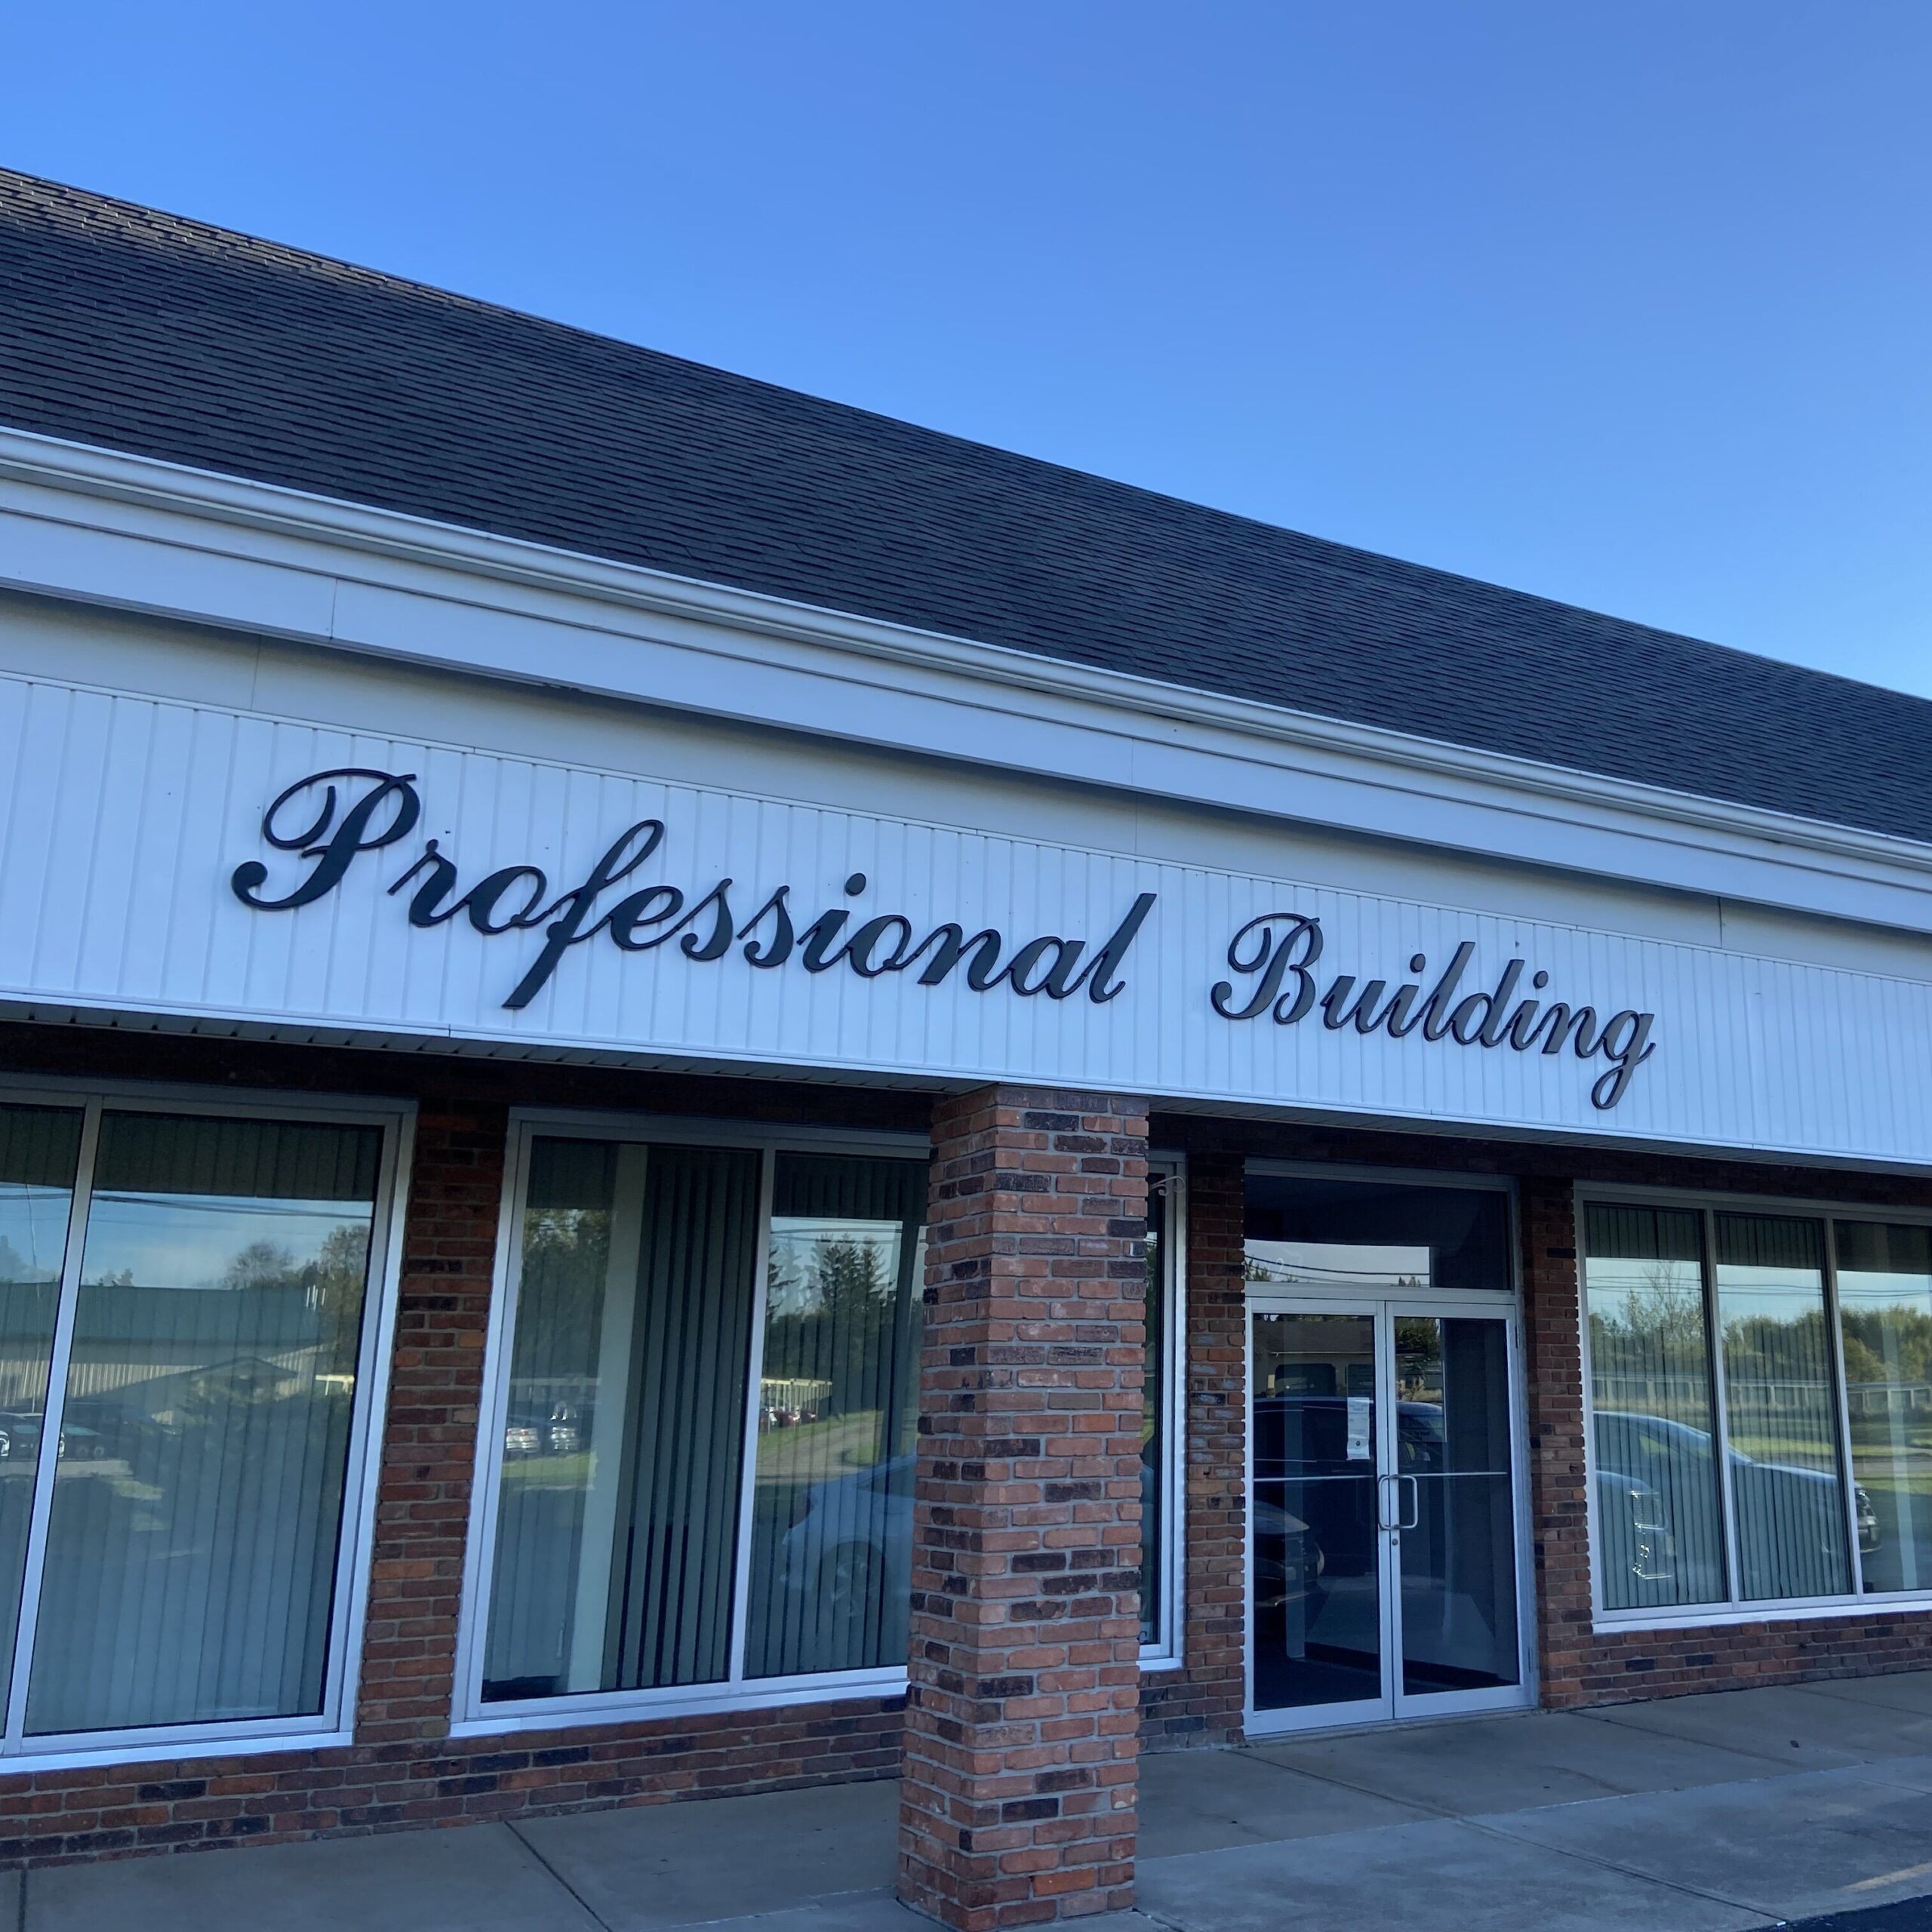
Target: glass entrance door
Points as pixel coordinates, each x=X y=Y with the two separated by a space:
x=1383 y=1571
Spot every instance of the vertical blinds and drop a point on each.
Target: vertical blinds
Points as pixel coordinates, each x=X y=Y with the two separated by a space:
x=190 y=1558
x=622 y=1505
x=39 y=1153
x=196 y=1452
x=672 y=1588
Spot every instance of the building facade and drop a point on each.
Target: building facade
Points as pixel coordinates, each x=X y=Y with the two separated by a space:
x=702 y=1093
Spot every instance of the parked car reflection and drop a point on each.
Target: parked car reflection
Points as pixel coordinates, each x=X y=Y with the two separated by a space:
x=1786 y=1493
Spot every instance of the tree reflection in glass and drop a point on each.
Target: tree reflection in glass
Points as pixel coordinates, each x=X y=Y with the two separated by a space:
x=1885 y=1320
x=1661 y=1539
x=831 y=1555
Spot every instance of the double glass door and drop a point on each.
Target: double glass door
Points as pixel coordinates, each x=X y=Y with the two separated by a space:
x=1384 y=1558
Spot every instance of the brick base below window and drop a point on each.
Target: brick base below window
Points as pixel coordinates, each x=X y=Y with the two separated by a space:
x=57 y=1816
x=1619 y=1667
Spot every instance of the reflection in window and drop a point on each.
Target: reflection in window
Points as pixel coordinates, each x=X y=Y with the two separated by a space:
x=39 y=1150
x=1659 y=1531
x=1318 y=1232
x=1458 y=1554
x=1786 y=1491
x=204 y=1437
x=1884 y=1278
x=837 y=1426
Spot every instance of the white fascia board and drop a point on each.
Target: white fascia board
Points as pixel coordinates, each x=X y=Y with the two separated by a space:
x=95 y=526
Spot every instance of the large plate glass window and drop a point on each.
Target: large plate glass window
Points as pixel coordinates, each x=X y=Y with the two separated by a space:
x=1660 y=1533
x=1884 y=1292
x=182 y=1336
x=705 y=1446
x=1761 y=1406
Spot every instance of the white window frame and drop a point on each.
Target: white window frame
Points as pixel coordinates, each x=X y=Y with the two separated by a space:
x=1168 y=1172
x=471 y=1716
x=1706 y=1204
x=334 y=1723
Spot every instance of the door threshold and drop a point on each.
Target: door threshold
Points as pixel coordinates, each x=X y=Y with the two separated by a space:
x=1366 y=1727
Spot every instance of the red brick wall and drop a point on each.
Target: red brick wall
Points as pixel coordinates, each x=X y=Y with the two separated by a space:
x=1201 y=1702
x=1017 y=1804
x=429 y=1445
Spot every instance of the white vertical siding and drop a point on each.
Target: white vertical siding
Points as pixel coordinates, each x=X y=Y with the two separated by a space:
x=122 y=817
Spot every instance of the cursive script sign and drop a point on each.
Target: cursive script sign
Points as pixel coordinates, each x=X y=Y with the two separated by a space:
x=1277 y=953
x=331 y=820
x=310 y=820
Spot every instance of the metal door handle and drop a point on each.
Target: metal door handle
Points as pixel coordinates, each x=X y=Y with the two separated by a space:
x=1383 y=1519
x=1415 y=1498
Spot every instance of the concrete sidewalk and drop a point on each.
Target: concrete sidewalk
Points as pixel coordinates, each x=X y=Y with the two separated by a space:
x=1700 y=1814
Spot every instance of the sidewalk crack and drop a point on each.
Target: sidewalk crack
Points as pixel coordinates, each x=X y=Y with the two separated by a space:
x=596 y=1917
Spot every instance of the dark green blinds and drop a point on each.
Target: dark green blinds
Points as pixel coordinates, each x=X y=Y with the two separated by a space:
x=678 y=1522
x=39 y=1150
x=832 y=1513
x=624 y=1431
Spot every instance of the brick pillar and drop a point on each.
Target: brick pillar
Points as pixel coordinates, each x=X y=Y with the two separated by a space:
x=429 y=1445
x=1018 y=1799
x=1558 y=1488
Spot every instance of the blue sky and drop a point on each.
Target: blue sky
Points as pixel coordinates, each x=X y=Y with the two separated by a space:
x=1626 y=304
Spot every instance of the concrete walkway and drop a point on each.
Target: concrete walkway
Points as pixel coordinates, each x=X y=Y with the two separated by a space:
x=1702 y=1814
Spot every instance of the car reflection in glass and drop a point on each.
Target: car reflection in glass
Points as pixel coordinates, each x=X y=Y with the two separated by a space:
x=1782 y=1492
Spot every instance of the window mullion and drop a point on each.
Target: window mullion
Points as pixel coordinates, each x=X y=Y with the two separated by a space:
x=46 y=1467
x=1720 y=1408
x=1835 y=1355
x=741 y=1578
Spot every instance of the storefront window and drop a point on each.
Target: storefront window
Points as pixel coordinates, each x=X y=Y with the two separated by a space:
x=1885 y=1283
x=1781 y=1420
x=617 y=1515
x=172 y=1501
x=707 y=1433
x=1659 y=1525
x=621 y=1525
x=1759 y=1333
x=39 y=1155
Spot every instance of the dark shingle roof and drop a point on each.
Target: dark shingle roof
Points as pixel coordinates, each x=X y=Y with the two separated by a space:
x=144 y=333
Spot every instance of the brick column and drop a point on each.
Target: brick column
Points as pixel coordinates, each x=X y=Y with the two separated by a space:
x=429 y=1445
x=1559 y=1489
x=1018 y=1798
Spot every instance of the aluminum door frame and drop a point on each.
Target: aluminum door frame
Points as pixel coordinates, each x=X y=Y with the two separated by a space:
x=1384 y=1308
x=1416 y=1706
x=1361 y=1711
